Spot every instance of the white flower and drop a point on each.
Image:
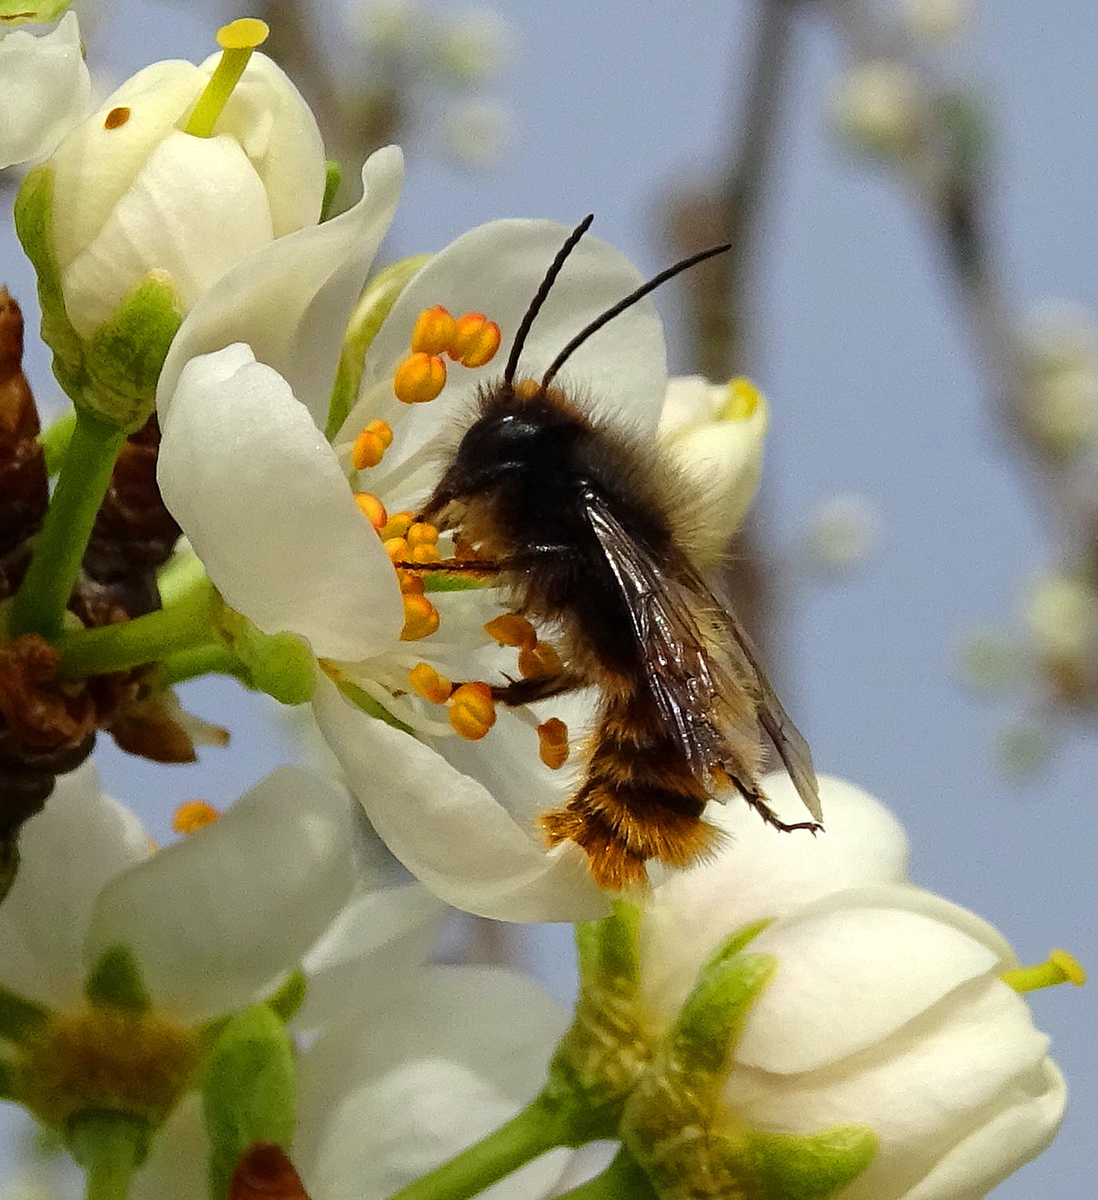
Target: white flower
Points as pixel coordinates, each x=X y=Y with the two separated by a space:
x=133 y=193
x=45 y=84
x=715 y=432
x=385 y=1099
x=463 y=819
x=885 y=1009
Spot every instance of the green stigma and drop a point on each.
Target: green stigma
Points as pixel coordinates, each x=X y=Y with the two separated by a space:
x=237 y=41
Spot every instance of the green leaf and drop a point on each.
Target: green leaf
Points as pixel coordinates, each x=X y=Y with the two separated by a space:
x=249 y=1091
x=115 y=981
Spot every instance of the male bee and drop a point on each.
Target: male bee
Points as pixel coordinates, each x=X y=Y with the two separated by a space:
x=583 y=528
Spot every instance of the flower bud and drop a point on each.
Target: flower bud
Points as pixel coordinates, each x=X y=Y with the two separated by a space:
x=846 y=1031
x=715 y=432
x=879 y=107
x=135 y=216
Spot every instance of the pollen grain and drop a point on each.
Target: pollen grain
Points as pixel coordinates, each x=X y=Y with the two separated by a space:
x=193 y=815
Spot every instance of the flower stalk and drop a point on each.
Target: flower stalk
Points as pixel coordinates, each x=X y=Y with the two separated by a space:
x=41 y=602
x=109 y=1146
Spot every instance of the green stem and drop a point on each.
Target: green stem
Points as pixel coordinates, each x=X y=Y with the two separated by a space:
x=40 y=604
x=55 y=440
x=213 y=658
x=109 y=1146
x=623 y=1179
x=529 y=1134
x=186 y=626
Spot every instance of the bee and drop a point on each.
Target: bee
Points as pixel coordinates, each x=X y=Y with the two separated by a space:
x=583 y=528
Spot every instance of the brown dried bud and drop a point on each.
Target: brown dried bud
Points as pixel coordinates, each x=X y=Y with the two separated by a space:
x=24 y=491
x=266 y=1173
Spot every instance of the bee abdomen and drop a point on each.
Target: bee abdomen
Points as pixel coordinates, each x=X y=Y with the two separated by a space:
x=639 y=800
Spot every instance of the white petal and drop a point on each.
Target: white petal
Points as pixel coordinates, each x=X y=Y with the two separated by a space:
x=268 y=117
x=384 y=1103
x=369 y=953
x=215 y=918
x=178 y=1151
x=45 y=84
x=762 y=873
x=75 y=845
x=496 y=269
x=290 y=302
x=94 y=166
x=853 y=969
x=196 y=209
x=449 y=830
x=259 y=493
x=923 y=1091
x=1024 y=1126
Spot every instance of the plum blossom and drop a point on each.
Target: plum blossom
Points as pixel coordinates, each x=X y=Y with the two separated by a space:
x=45 y=84
x=243 y=398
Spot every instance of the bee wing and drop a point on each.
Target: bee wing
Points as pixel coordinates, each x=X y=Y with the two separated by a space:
x=686 y=681
x=787 y=738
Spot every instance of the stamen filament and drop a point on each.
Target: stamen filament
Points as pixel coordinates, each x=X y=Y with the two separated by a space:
x=237 y=39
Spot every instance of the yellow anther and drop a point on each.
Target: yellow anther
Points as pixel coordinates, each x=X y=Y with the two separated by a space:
x=419 y=378
x=425 y=681
x=510 y=629
x=371 y=444
x=433 y=332
x=397 y=525
x=193 y=815
x=743 y=399
x=553 y=743
x=421 y=534
x=420 y=618
x=116 y=118
x=472 y=710
x=396 y=548
x=245 y=33
x=372 y=508
x=411 y=582
x=475 y=340
x=538 y=659
x=1060 y=967
x=426 y=555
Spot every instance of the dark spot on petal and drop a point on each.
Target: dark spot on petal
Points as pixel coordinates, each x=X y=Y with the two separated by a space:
x=116 y=117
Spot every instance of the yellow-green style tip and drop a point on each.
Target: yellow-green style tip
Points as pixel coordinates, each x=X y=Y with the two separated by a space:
x=243 y=34
x=1060 y=967
x=743 y=399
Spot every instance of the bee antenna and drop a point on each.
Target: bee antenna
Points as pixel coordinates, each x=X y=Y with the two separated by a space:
x=581 y=337
x=541 y=294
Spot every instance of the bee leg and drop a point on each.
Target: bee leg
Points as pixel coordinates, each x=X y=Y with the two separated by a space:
x=758 y=802
x=538 y=687
x=455 y=566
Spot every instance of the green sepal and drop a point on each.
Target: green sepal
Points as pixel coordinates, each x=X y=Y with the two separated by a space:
x=290 y=996
x=113 y=375
x=787 y=1166
x=125 y=354
x=115 y=981
x=609 y=950
x=362 y=699
x=249 y=1091
x=19 y=12
x=279 y=664
x=372 y=308
x=20 y=1018
x=33 y=216
x=333 y=177
x=708 y=1029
